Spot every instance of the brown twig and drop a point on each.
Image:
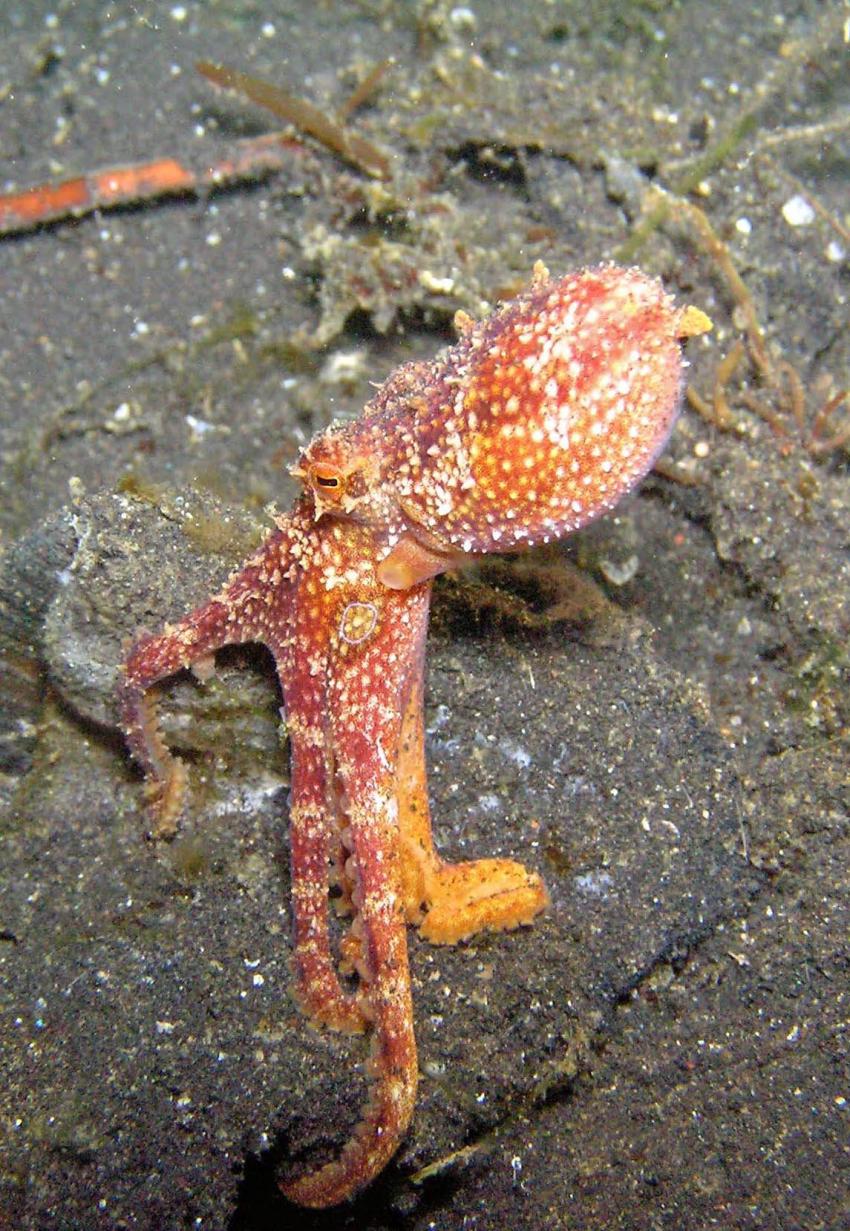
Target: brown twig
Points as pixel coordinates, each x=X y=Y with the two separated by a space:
x=364 y=90
x=306 y=118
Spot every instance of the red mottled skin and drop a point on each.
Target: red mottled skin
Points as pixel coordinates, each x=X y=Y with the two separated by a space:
x=539 y=419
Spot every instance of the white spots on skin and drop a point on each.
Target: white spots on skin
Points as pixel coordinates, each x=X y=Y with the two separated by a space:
x=559 y=403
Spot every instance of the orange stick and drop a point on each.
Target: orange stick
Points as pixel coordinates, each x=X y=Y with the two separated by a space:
x=138 y=183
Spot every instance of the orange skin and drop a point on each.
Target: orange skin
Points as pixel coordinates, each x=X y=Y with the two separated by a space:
x=538 y=420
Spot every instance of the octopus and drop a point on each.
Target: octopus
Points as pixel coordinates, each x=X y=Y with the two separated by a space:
x=539 y=419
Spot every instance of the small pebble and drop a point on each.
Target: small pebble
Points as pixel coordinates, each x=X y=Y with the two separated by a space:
x=797 y=212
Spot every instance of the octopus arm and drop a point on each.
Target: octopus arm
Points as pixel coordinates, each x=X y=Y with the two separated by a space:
x=451 y=901
x=226 y=619
x=314 y=846
x=368 y=680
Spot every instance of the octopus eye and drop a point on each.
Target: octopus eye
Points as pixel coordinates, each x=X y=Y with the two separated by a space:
x=327 y=479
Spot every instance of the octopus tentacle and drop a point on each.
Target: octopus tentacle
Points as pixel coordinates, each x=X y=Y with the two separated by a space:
x=368 y=679
x=451 y=901
x=304 y=659
x=386 y=997
x=313 y=831
x=224 y=620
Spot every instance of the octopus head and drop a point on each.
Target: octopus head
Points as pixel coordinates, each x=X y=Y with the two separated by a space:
x=561 y=401
x=339 y=476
